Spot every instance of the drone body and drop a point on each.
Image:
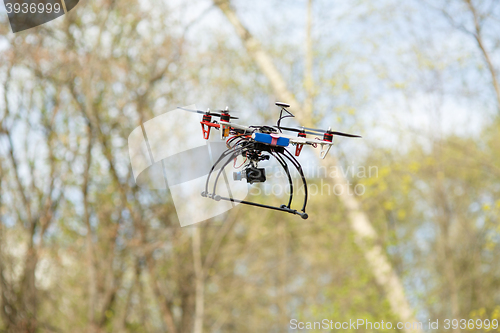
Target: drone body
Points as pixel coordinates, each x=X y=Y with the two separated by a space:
x=259 y=143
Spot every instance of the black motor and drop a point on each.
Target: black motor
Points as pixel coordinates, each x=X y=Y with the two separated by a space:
x=251 y=174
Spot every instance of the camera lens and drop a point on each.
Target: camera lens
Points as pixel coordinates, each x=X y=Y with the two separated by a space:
x=255 y=175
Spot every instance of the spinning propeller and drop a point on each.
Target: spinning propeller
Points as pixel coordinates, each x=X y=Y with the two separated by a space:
x=210 y=113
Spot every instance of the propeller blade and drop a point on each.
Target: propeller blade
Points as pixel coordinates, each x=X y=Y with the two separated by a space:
x=346 y=134
x=219 y=115
x=195 y=111
x=227 y=111
x=291 y=129
x=315 y=131
x=205 y=112
x=333 y=132
x=297 y=130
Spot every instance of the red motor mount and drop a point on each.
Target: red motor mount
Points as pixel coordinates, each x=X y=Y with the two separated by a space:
x=206 y=125
x=298 y=147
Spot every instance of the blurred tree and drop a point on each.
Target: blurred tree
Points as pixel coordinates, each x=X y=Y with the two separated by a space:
x=83 y=249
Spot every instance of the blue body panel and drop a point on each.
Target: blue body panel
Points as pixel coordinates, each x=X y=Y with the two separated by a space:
x=267 y=138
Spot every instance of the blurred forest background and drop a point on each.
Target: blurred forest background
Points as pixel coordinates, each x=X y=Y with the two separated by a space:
x=83 y=249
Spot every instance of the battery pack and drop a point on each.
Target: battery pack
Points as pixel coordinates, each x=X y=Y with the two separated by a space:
x=271 y=139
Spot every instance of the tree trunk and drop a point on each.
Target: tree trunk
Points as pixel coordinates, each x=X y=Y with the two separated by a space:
x=90 y=247
x=367 y=239
x=200 y=282
x=308 y=72
x=478 y=36
x=28 y=293
x=282 y=276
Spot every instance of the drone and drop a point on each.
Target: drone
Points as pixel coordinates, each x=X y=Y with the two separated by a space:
x=259 y=143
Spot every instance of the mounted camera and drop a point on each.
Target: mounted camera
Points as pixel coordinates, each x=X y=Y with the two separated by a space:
x=251 y=174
